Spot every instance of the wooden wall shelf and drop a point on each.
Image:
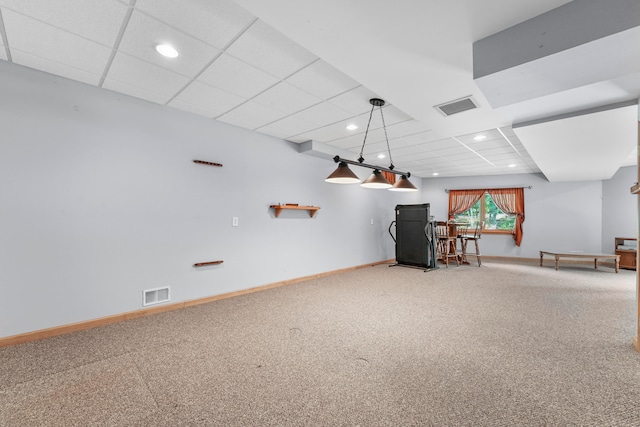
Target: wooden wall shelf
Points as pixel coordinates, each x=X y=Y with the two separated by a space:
x=203 y=264
x=312 y=209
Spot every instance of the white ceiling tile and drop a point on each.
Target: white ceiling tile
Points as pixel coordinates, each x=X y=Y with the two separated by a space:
x=496 y=150
x=408 y=158
x=451 y=151
x=210 y=98
x=55 y=68
x=237 y=77
x=214 y=22
x=286 y=98
x=76 y=16
x=391 y=115
x=517 y=145
x=334 y=131
x=402 y=142
x=135 y=91
x=355 y=101
x=504 y=157
x=251 y=115
x=489 y=145
x=484 y=168
x=323 y=114
x=427 y=137
x=135 y=72
x=374 y=135
x=508 y=132
x=408 y=127
x=144 y=33
x=347 y=142
x=378 y=147
x=322 y=80
x=409 y=150
x=435 y=162
x=284 y=128
x=269 y=50
x=39 y=39
x=470 y=161
x=441 y=144
x=356 y=140
x=419 y=155
x=490 y=135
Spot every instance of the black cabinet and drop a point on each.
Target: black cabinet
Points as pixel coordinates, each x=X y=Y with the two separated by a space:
x=415 y=240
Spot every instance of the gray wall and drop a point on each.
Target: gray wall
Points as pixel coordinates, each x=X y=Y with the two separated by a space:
x=101 y=200
x=563 y=216
x=619 y=207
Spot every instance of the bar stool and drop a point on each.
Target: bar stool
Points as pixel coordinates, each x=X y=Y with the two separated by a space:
x=446 y=243
x=461 y=231
x=475 y=236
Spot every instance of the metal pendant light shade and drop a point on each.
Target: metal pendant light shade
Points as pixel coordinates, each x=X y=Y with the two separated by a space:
x=343 y=175
x=376 y=180
x=403 y=184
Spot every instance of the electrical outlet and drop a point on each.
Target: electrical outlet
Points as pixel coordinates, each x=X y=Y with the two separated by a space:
x=235 y=221
x=371 y=221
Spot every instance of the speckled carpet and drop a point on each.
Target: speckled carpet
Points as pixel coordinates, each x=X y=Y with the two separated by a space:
x=503 y=345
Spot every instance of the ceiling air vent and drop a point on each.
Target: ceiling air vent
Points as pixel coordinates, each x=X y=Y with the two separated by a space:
x=457 y=106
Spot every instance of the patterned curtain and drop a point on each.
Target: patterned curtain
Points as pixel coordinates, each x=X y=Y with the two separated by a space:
x=461 y=200
x=511 y=201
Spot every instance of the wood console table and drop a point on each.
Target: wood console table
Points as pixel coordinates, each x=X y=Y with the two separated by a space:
x=595 y=257
x=626 y=247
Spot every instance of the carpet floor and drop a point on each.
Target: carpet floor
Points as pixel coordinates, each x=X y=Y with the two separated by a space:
x=502 y=345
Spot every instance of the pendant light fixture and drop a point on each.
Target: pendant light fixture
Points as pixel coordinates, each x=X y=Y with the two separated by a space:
x=344 y=175
x=403 y=184
x=376 y=180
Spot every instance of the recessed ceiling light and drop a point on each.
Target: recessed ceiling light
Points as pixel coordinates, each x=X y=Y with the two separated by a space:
x=435 y=174
x=479 y=137
x=381 y=156
x=512 y=165
x=167 y=50
x=352 y=127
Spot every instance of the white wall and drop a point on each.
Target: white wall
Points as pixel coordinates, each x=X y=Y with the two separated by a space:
x=619 y=207
x=101 y=200
x=563 y=216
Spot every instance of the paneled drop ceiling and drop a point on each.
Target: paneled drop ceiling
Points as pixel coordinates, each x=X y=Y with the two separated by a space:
x=303 y=70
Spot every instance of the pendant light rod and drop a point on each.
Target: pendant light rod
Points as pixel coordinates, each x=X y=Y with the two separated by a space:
x=339 y=159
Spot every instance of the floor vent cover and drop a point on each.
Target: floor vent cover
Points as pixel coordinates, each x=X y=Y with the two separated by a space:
x=155 y=296
x=457 y=106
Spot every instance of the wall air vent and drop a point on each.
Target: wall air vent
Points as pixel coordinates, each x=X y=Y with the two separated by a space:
x=457 y=106
x=155 y=296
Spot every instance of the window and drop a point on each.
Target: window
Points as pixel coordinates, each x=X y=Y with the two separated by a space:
x=495 y=220
x=501 y=209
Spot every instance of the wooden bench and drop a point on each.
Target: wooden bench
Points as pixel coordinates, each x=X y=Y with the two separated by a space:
x=595 y=257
